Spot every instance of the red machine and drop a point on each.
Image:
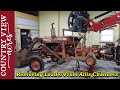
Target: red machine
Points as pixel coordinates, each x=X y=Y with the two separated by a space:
x=79 y=21
x=105 y=23
x=59 y=49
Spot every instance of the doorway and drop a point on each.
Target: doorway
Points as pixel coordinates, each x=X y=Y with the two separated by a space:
x=24 y=32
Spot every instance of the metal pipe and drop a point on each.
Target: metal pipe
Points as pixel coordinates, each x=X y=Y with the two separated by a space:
x=63 y=49
x=102 y=14
x=57 y=47
x=119 y=31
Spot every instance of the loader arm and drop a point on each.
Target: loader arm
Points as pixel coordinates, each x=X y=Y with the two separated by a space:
x=105 y=23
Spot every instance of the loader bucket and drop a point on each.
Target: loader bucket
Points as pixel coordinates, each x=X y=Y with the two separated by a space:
x=20 y=59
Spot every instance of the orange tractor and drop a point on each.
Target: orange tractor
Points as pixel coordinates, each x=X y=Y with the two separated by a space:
x=59 y=49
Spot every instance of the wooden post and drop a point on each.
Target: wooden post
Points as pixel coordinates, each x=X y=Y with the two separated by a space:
x=58 y=23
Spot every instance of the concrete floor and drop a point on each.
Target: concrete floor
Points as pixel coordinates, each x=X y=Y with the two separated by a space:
x=101 y=66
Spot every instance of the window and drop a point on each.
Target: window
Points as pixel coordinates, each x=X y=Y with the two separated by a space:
x=107 y=35
x=67 y=33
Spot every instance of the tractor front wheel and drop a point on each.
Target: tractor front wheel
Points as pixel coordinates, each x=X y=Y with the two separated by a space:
x=90 y=61
x=36 y=64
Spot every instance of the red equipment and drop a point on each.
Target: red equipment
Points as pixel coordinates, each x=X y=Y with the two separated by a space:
x=79 y=21
x=105 y=23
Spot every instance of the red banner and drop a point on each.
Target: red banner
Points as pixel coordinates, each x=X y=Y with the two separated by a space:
x=7 y=44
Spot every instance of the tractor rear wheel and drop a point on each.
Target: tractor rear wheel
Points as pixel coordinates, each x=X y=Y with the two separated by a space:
x=118 y=62
x=36 y=64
